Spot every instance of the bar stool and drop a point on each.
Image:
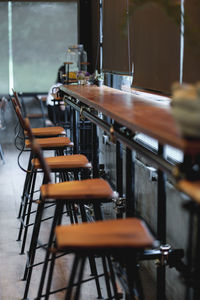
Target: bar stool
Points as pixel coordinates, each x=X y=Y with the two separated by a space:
x=76 y=164
x=88 y=191
x=122 y=239
x=41 y=131
x=57 y=144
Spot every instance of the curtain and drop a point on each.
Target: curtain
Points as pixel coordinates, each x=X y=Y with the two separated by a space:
x=155 y=48
x=153 y=40
x=191 y=65
x=115 y=38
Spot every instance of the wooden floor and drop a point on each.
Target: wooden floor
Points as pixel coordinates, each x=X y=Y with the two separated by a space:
x=11 y=263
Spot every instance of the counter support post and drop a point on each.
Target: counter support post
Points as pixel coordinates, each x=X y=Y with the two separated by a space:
x=130 y=184
x=75 y=137
x=161 y=225
x=95 y=149
x=197 y=260
x=119 y=172
x=71 y=122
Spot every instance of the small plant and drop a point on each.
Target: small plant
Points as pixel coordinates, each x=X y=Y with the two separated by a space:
x=98 y=78
x=80 y=76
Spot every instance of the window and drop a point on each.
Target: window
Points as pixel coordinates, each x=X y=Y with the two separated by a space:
x=4 y=49
x=35 y=37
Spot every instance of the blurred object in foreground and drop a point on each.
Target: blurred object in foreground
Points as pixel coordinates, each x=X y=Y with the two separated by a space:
x=186 y=108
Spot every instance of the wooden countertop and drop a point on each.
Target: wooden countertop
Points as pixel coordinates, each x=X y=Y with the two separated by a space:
x=134 y=112
x=190 y=188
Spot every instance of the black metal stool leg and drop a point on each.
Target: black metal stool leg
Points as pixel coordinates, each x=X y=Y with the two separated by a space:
x=32 y=249
x=52 y=264
x=94 y=273
x=68 y=207
x=51 y=269
x=28 y=214
x=83 y=213
x=112 y=277
x=73 y=208
x=106 y=276
x=25 y=186
x=78 y=289
x=58 y=212
x=91 y=258
x=35 y=232
x=72 y=278
x=23 y=194
x=98 y=211
x=25 y=201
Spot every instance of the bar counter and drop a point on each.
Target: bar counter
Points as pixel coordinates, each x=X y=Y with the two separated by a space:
x=140 y=115
x=135 y=113
x=154 y=119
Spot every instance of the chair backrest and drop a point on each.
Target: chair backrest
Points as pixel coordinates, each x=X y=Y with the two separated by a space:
x=3 y=102
x=27 y=128
x=14 y=102
x=17 y=99
x=38 y=152
x=20 y=117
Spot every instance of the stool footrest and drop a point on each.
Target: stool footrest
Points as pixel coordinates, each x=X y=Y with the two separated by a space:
x=73 y=285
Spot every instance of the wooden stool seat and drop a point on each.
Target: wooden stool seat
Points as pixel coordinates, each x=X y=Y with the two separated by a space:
x=76 y=161
x=85 y=189
x=48 y=131
x=34 y=116
x=51 y=143
x=121 y=233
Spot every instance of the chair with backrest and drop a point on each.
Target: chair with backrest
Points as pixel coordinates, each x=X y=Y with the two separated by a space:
x=42 y=131
x=63 y=165
x=31 y=115
x=123 y=240
x=58 y=144
x=85 y=192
